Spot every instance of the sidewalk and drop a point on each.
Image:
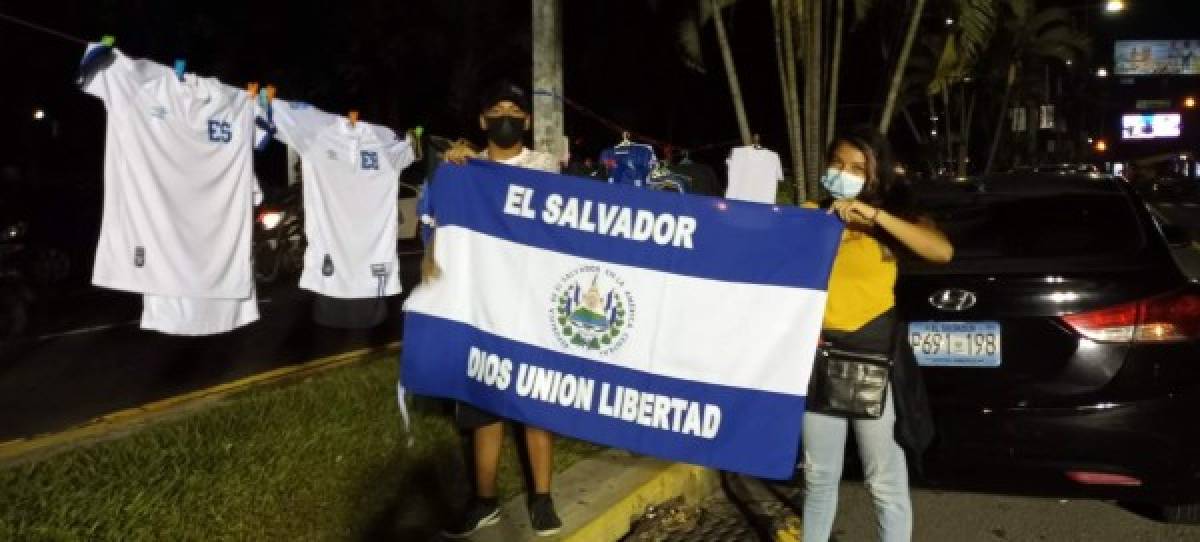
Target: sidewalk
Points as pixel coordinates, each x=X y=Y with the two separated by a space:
x=599 y=498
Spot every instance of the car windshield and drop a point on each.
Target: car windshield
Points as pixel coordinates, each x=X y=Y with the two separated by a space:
x=1021 y=230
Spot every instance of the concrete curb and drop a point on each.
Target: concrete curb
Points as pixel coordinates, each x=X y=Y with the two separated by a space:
x=599 y=498
x=124 y=422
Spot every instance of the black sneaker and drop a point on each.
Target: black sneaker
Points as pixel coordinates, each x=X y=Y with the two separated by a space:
x=477 y=516
x=542 y=516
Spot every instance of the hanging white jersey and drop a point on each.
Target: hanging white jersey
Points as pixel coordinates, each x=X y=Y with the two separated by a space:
x=178 y=178
x=197 y=316
x=754 y=174
x=351 y=192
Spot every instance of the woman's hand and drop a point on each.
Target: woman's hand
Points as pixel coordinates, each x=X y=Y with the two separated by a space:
x=458 y=153
x=854 y=212
x=921 y=236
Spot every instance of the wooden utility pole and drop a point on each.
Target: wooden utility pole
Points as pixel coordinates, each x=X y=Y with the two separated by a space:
x=548 y=127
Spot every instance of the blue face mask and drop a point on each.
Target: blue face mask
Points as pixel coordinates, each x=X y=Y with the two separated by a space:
x=842 y=184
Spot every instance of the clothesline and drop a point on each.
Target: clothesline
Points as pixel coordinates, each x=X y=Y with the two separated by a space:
x=40 y=28
x=587 y=112
x=617 y=128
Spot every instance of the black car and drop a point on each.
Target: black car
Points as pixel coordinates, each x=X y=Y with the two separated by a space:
x=1061 y=347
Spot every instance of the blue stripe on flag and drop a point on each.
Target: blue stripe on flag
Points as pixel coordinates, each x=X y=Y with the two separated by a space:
x=759 y=431
x=734 y=241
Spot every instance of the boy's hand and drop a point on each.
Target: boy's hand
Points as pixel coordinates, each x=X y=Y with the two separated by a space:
x=458 y=153
x=429 y=267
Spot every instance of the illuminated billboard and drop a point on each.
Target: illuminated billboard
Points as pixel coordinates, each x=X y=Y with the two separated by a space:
x=1151 y=125
x=1157 y=57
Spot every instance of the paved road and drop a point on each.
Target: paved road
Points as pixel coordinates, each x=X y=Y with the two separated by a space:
x=91 y=359
x=1184 y=213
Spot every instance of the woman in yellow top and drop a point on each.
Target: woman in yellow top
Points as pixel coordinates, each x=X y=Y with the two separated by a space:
x=859 y=315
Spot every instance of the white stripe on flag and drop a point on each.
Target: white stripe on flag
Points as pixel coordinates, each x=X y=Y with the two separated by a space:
x=734 y=334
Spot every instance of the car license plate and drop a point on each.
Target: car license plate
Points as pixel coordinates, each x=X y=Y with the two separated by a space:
x=955 y=344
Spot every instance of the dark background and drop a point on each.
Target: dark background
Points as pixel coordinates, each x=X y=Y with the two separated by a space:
x=422 y=62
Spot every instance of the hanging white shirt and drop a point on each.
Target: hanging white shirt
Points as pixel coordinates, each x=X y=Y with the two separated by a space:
x=754 y=174
x=351 y=193
x=195 y=316
x=178 y=179
x=176 y=216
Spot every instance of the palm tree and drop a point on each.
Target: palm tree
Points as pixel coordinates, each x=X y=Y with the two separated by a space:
x=813 y=25
x=1030 y=37
x=889 y=105
x=964 y=46
x=785 y=57
x=692 y=20
x=735 y=89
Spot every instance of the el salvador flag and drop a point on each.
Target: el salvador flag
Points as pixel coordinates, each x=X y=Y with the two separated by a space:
x=678 y=326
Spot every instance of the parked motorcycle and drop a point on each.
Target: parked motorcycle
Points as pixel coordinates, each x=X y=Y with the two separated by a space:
x=16 y=292
x=279 y=237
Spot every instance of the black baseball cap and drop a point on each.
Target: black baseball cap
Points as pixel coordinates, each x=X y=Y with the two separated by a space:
x=505 y=91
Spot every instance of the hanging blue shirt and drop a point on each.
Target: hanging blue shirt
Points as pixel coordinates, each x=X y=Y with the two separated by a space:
x=629 y=163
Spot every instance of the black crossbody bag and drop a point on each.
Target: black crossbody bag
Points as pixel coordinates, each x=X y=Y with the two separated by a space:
x=850 y=383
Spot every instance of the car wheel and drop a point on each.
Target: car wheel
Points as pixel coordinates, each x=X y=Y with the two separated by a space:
x=1182 y=513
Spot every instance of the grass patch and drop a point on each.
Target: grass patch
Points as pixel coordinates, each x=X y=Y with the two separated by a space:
x=321 y=459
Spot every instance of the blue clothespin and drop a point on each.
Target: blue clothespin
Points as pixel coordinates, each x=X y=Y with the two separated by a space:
x=180 y=68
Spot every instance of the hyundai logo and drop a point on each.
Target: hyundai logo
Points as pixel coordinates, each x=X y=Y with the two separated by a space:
x=953 y=299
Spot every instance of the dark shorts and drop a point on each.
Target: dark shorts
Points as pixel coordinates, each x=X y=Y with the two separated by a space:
x=470 y=418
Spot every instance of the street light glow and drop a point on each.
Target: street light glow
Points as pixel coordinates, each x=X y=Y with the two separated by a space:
x=1189 y=102
x=39 y=114
x=1101 y=145
x=1102 y=72
x=1114 y=6
x=949 y=21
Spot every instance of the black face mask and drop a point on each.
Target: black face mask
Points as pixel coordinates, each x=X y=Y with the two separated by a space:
x=505 y=131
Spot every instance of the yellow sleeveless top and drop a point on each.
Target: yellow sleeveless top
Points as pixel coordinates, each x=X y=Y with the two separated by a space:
x=861 y=284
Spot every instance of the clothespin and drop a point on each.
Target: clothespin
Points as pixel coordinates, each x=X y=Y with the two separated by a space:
x=252 y=88
x=108 y=40
x=180 y=68
x=353 y=116
x=757 y=141
x=414 y=138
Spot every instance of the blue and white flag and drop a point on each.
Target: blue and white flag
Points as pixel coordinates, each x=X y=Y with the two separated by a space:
x=682 y=327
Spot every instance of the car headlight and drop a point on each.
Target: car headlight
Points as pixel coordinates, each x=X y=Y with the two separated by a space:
x=270 y=219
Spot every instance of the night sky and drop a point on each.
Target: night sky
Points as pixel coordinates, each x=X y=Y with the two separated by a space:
x=404 y=63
